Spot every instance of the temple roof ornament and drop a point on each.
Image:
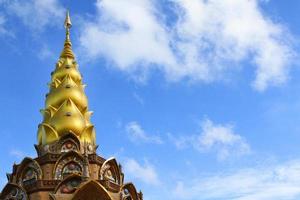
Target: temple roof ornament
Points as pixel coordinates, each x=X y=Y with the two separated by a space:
x=66 y=107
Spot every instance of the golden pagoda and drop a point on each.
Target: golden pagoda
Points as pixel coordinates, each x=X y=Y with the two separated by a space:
x=67 y=166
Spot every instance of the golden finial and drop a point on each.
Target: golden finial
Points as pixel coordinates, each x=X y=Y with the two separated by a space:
x=67 y=52
x=68 y=23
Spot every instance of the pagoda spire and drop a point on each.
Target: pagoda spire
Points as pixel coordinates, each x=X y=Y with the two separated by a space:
x=67 y=51
x=66 y=108
x=68 y=166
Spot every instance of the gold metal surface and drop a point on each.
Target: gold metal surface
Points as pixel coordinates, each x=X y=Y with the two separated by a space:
x=67 y=89
x=66 y=106
x=66 y=66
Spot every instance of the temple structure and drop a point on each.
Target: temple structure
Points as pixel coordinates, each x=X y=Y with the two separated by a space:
x=67 y=166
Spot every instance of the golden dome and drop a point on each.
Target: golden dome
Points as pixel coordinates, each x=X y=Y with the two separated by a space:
x=67 y=89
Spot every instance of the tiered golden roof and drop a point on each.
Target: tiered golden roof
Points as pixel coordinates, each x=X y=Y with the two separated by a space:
x=66 y=109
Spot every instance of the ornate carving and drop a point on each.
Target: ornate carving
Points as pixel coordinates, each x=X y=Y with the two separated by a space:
x=69 y=185
x=28 y=172
x=29 y=176
x=13 y=192
x=17 y=194
x=110 y=171
x=42 y=185
x=71 y=168
x=69 y=146
x=71 y=163
x=128 y=192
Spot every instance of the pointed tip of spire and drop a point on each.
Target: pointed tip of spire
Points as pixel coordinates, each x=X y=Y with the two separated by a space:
x=68 y=23
x=67 y=51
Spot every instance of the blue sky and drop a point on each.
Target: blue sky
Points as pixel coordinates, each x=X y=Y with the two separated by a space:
x=198 y=100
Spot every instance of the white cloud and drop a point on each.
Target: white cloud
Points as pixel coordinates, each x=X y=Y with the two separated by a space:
x=209 y=39
x=222 y=31
x=273 y=182
x=137 y=134
x=214 y=137
x=37 y=14
x=128 y=33
x=145 y=173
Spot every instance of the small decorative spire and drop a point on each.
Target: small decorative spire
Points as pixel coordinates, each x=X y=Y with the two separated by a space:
x=68 y=23
x=67 y=51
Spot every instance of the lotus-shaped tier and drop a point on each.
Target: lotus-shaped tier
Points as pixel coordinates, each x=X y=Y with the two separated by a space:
x=46 y=134
x=66 y=66
x=68 y=118
x=67 y=89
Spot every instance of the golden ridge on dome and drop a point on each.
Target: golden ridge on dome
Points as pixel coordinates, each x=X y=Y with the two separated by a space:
x=66 y=106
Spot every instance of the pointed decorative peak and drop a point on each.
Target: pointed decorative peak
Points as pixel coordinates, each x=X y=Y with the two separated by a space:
x=51 y=110
x=69 y=102
x=67 y=51
x=48 y=134
x=87 y=116
x=59 y=63
x=56 y=83
x=88 y=135
x=67 y=78
x=68 y=82
x=85 y=109
x=68 y=23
